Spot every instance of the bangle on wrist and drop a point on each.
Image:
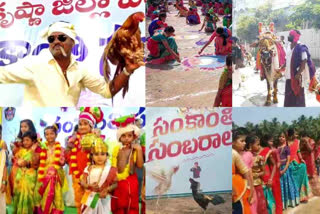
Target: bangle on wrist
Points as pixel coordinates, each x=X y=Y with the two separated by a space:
x=126 y=72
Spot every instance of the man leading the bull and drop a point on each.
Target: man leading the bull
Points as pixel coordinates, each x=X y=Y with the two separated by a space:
x=299 y=71
x=55 y=78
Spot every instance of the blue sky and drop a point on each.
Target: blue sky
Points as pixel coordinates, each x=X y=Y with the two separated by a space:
x=255 y=115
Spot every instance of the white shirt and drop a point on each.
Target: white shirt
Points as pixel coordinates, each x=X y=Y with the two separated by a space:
x=45 y=84
x=289 y=52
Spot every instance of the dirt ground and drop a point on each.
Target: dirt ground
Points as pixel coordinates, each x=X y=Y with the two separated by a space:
x=173 y=85
x=187 y=205
x=312 y=207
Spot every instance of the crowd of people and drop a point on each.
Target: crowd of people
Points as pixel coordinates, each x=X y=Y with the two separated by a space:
x=34 y=180
x=217 y=21
x=272 y=173
x=162 y=45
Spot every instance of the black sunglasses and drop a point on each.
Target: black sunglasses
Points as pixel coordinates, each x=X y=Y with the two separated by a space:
x=61 y=38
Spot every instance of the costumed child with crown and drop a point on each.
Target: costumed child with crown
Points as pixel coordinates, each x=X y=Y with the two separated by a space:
x=99 y=179
x=79 y=147
x=126 y=156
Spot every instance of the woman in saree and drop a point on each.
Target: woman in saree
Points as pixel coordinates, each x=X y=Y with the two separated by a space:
x=183 y=11
x=163 y=47
x=242 y=185
x=307 y=148
x=224 y=94
x=158 y=24
x=151 y=8
x=253 y=146
x=208 y=23
x=298 y=166
x=272 y=157
x=193 y=17
x=289 y=190
x=317 y=156
x=223 y=42
x=269 y=176
x=247 y=158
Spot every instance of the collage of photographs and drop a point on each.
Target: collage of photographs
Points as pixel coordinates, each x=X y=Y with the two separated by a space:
x=160 y=106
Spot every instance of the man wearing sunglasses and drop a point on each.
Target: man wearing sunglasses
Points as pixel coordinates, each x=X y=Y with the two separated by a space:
x=55 y=78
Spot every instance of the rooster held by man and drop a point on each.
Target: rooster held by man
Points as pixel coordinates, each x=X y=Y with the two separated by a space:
x=125 y=47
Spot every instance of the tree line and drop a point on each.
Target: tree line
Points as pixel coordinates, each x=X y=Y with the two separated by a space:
x=303 y=16
x=308 y=125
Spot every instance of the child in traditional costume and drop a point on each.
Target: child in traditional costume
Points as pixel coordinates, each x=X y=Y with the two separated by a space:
x=317 y=156
x=289 y=189
x=151 y=8
x=298 y=167
x=27 y=161
x=224 y=94
x=98 y=180
x=126 y=157
x=204 y=8
x=3 y=173
x=158 y=24
x=247 y=158
x=253 y=145
x=155 y=14
x=78 y=156
x=308 y=153
x=52 y=182
x=242 y=186
x=209 y=23
x=272 y=175
x=193 y=17
x=227 y=21
x=183 y=11
x=25 y=125
x=3 y=144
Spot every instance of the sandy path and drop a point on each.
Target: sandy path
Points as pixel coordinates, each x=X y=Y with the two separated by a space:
x=187 y=206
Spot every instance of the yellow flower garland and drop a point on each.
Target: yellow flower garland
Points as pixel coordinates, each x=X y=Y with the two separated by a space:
x=43 y=158
x=114 y=162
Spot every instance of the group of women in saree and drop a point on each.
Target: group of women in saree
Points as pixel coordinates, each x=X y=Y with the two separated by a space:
x=269 y=177
x=162 y=45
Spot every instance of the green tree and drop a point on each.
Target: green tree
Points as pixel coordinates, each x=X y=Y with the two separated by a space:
x=247 y=28
x=306 y=15
x=309 y=125
x=280 y=19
